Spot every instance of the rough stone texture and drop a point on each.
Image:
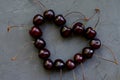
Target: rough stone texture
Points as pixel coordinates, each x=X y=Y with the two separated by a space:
x=27 y=65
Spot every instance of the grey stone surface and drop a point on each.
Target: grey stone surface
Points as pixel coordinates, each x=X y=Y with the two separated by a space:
x=27 y=65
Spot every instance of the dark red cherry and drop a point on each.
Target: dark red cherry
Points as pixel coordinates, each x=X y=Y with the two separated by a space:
x=59 y=20
x=59 y=64
x=78 y=58
x=78 y=28
x=44 y=53
x=87 y=52
x=40 y=43
x=95 y=43
x=35 y=32
x=65 y=31
x=38 y=20
x=48 y=64
x=90 y=33
x=70 y=64
x=49 y=15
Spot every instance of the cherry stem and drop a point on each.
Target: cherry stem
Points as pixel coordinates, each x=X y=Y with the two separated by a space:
x=98 y=20
x=115 y=60
x=49 y=75
x=106 y=59
x=74 y=76
x=83 y=72
x=17 y=56
x=60 y=74
x=40 y=4
x=13 y=58
x=24 y=46
x=76 y=13
x=97 y=11
x=86 y=19
x=10 y=27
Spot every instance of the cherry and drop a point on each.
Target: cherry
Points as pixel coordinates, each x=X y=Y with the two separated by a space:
x=66 y=31
x=40 y=43
x=44 y=53
x=70 y=64
x=90 y=33
x=87 y=52
x=78 y=58
x=59 y=64
x=38 y=20
x=59 y=20
x=35 y=32
x=48 y=64
x=95 y=43
x=49 y=14
x=78 y=28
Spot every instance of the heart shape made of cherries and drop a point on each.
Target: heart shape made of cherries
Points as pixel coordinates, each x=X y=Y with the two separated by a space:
x=77 y=29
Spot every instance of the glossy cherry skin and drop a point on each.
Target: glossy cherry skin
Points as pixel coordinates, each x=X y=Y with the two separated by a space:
x=87 y=52
x=39 y=43
x=65 y=31
x=90 y=33
x=38 y=20
x=35 y=32
x=59 y=20
x=44 y=53
x=95 y=43
x=70 y=64
x=49 y=15
x=59 y=64
x=78 y=28
x=48 y=64
x=78 y=58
